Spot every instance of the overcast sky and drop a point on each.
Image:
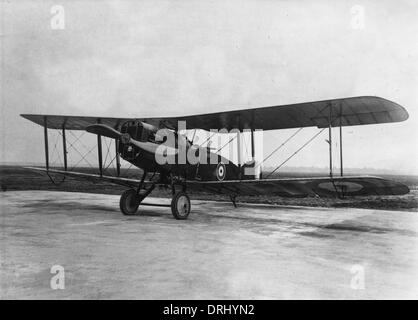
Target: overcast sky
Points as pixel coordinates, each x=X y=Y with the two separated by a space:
x=165 y=58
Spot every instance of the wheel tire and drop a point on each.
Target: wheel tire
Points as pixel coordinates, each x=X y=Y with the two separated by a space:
x=129 y=202
x=180 y=206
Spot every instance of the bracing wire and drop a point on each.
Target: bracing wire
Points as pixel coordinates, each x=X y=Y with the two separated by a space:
x=232 y=139
x=210 y=137
x=58 y=160
x=279 y=147
x=303 y=146
x=309 y=141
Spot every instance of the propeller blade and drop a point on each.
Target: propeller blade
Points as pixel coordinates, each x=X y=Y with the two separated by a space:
x=152 y=147
x=104 y=130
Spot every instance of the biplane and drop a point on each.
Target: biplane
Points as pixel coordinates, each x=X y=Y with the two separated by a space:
x=138 y=141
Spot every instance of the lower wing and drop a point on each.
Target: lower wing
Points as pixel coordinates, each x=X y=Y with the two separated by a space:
x=133 y=183
x=286 y=187
x=304 y=187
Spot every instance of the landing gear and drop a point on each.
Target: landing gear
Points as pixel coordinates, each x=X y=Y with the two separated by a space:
x=131 y=199
x=180 y=205
x=129 y=202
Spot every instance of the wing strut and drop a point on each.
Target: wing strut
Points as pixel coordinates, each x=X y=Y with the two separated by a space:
x=252 y=144
x=117 y=157
x=64 y=146
x=99 y=150
x=239 y=153
x=46 y=143
x=341 y=143
x=330 y=140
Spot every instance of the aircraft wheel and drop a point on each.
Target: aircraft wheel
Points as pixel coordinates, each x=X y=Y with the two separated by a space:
x=180 y=206
x=129 y=202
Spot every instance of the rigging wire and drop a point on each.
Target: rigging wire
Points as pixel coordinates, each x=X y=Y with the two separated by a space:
x=55 y=150
x=233 y=138
x=304 y=145
x=319 y=112
x=110 y=163
x=279 y=147
x=210 y=137
x=108 y=145
x=83 y=157
x=56 y=160
x=245 y=144
x=194 y=134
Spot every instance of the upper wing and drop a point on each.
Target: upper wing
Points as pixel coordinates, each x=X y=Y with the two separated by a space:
x=72 y=122
x=344 y=112
x=303 y=187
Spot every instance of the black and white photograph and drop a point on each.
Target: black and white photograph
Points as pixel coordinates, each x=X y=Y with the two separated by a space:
x=190 y=150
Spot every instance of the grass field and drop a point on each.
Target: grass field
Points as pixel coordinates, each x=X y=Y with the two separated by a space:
x=19 y=178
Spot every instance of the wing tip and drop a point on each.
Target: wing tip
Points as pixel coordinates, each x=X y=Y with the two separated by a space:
x=402 y=113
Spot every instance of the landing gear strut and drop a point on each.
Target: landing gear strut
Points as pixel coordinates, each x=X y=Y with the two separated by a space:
x=129 y=202
x=131 y=199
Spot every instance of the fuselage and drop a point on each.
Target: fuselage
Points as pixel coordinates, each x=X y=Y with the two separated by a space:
x=205 y=165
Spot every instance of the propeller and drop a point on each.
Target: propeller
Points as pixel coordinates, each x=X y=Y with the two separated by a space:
x=125 y=138
x=104 y=130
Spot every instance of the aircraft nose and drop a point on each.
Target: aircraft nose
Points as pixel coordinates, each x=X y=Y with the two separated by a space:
x=125 y=138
